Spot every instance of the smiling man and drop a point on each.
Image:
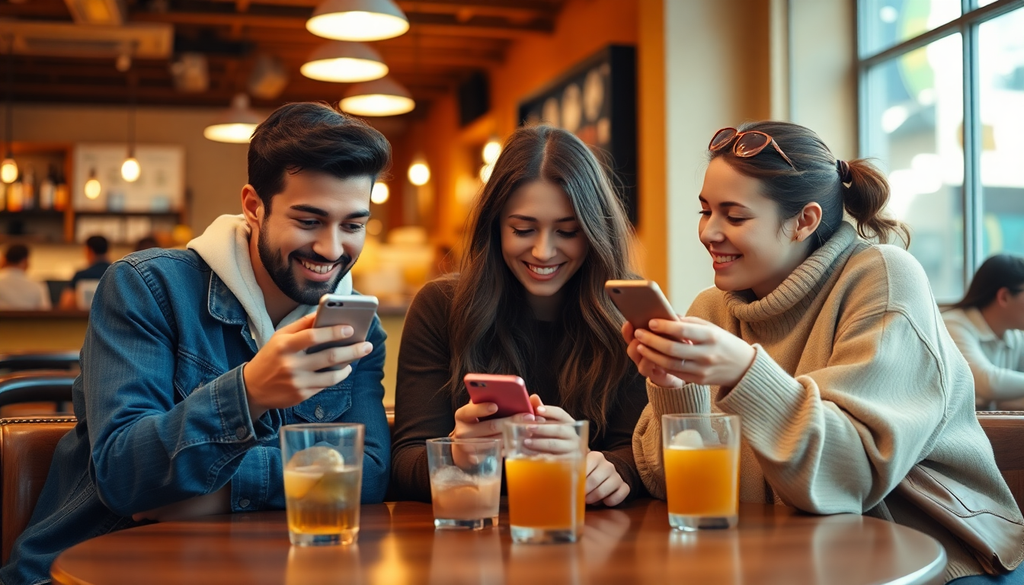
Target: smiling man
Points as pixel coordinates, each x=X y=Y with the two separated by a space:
x=195 y=358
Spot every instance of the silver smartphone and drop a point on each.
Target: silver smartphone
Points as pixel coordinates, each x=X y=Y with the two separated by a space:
x=356 y=311
x=639 y=301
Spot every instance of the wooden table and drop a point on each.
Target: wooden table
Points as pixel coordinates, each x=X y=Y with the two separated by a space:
x=398 y=544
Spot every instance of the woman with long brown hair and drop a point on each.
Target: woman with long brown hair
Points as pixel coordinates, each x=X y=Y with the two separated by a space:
x=528 y=300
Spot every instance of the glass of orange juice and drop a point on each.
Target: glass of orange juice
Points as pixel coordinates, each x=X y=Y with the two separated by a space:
x=702 y=461
x=546 y=475
x=323 y=472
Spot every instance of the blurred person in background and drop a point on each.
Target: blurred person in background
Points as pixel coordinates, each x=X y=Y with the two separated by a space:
x=97 y=250
x=18 y=291
x=987 y=326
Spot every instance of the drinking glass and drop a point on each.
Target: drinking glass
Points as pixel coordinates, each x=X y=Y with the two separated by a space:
x=702 y=456
x=323 y=473
x=465 y=481
x=546 y=475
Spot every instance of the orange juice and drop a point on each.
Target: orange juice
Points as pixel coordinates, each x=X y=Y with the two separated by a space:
x=701 y=481
x=540 y=492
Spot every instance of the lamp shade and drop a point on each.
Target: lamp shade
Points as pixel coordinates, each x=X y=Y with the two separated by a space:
x=380 y=97
x=344 y=62
x=236 y=124
x=357 y=20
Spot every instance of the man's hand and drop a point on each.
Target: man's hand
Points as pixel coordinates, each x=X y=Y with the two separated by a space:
x=282 y=374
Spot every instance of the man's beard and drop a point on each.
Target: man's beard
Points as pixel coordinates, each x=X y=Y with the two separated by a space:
x=283 y=276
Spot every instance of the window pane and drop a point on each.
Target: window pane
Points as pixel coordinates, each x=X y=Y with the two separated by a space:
x=914 y=129
x=890 y=22
x=1001 y=72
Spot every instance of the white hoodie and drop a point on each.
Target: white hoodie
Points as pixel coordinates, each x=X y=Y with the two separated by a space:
x=225 y=247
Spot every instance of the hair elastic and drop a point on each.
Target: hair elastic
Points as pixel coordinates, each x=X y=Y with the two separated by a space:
x=843 y=168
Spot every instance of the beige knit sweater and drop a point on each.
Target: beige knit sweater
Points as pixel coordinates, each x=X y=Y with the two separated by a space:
x=855 y=380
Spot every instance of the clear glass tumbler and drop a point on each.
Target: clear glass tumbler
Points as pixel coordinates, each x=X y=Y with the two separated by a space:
x=546 y=476
x=323 y=476
x=465 y=481
x=702 y=455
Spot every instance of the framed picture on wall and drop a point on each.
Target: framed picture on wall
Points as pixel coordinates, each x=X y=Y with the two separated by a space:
x=596 y=100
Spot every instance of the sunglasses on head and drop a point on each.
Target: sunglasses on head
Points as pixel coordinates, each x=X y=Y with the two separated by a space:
x=747 y=144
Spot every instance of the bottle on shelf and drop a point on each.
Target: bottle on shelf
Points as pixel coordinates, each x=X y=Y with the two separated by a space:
x=61 y=192
x=3 y=196
x=47 y=188
x=15 y=192
x=28 y=193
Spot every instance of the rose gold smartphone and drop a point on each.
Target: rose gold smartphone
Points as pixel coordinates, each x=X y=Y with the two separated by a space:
x=639 y=301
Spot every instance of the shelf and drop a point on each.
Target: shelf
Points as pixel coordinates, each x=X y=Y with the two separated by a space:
x=94 y=213
x=33 y=213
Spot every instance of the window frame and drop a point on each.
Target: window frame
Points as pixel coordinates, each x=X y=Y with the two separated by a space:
x=967 y=24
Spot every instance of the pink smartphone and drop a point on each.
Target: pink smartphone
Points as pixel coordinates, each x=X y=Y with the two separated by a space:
x=639 y=301
x=508 y=392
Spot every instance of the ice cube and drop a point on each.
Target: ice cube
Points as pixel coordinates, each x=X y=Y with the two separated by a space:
x=319 y=456
x=450 y=477
x=688 y=439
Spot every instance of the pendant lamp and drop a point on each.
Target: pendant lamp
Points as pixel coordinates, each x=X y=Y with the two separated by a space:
x=358 y=20
x=9 y=168
x=236 y=124
x=380 y=97
x=344 y=62
x=130 y=169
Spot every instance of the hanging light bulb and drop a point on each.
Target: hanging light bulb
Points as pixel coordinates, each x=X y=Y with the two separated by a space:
x=491 y=151
x=419 y=172
x=236 y=124
x=92 y=186
x=8 y=169
x=380 y=97
x=358 y=20
x=130 y=169
x=380 y=193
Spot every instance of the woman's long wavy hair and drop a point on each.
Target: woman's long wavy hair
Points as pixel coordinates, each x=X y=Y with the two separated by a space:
x=488 y=335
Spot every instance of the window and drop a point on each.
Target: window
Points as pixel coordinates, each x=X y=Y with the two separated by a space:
x=942 y=113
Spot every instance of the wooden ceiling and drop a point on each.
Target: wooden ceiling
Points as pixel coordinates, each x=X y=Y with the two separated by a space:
x=447 y=42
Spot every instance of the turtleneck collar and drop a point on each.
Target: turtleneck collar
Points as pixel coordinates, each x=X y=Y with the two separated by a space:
x=801 y=286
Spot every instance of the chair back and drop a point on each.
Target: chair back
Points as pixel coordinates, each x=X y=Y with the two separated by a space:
x=26 y=450
x=36 y=386
x=39 y=360
x=1005 y=430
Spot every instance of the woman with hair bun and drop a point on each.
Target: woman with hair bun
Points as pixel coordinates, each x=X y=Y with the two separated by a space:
x=987 y=326
x=830 y=346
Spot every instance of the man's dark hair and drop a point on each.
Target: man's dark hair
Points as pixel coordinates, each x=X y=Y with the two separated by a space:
x=313 y=136
x=15 y=254
x=98 y=244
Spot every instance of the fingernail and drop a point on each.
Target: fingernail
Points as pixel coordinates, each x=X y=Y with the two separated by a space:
x=492 y=408
x=367 y=348
x=654 y=324
x=542 y=409
x=639 y=334
x=527 y=441
x=528 y=417
x=346 y=330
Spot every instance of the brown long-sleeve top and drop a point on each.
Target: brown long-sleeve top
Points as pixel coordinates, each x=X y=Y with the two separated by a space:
x=424 y=408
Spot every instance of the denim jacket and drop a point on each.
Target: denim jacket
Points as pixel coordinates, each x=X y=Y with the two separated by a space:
x=162 y=411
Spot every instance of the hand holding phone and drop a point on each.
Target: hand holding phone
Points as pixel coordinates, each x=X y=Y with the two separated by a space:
x=507 y=392
x=639 y=301
x=356 y=311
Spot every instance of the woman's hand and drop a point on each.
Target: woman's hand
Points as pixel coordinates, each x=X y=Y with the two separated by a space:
x=604 y=484
x=646 y=367
x=691 y=350
x=469 y=425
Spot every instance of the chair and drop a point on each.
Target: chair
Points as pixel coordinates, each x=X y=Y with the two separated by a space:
x=1005 y=430
x=34 y=390
x=26 y=450
x=39 y=360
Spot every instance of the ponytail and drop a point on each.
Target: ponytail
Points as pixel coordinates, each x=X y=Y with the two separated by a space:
x=864 y=197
